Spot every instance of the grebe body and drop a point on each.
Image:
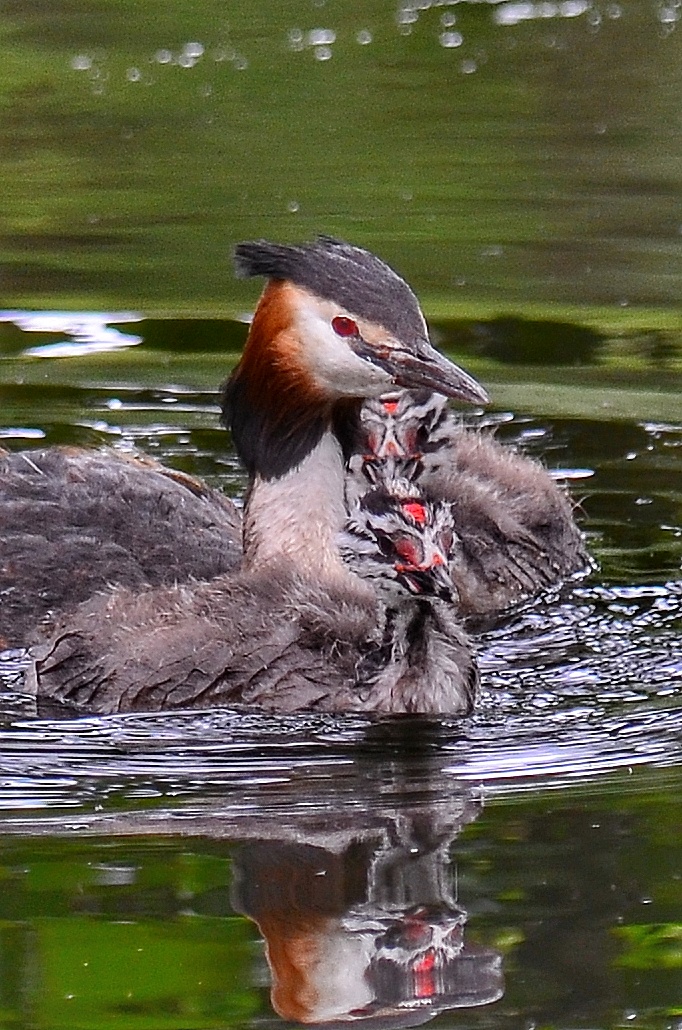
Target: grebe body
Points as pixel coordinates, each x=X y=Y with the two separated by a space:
x=295 y=628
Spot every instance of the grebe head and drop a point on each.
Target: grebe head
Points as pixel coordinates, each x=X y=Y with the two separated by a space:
x=361 y=325
x=401 y=542
x=334 y=325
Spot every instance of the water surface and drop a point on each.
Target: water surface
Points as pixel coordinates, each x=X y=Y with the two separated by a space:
x=520 y=863
x=520 y=164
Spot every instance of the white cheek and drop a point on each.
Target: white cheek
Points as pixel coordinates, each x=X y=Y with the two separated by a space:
x=331 y=361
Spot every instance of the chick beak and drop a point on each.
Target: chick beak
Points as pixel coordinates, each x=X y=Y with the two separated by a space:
x=424 y=367
x=434 y=581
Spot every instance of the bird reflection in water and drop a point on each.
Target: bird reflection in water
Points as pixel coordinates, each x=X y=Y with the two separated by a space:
x=347 y=867
x=360 y=924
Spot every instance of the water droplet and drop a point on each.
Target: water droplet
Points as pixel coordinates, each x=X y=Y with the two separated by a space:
x=364 y=37
x=133 y=74
x=293 y=206
x=240 y=63
x=163 y=56
x=451 y=39
x=614 y=11
x=321 y=37
x=468 y=67
x=448 y=19
x=322 y=53
x=223 y=53
x=195 y=50
x=186 y=60
x=81 y=63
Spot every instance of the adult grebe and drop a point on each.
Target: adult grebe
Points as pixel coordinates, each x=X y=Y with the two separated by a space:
x=74 y=521
x=295 y=628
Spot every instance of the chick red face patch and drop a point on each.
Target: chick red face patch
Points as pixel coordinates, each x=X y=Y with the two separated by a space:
x=408 y=550
x=416 y=511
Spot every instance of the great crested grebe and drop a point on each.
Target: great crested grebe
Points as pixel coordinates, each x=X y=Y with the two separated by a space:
x=76 y=521
x=515 y=525
x=73 y=522
x=294 y=628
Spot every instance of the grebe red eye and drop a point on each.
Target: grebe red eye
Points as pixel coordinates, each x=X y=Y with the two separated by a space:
x=344 y=326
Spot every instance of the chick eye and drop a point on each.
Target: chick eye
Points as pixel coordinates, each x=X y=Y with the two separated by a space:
x=343 y=326
x=385 y=545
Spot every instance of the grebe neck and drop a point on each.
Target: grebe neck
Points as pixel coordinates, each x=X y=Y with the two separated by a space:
x=299 y=515
x=294 y=439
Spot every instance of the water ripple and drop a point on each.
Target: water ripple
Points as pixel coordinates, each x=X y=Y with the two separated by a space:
x=572 y=689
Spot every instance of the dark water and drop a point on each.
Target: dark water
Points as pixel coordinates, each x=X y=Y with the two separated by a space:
x=520 y=163
x=517 y=868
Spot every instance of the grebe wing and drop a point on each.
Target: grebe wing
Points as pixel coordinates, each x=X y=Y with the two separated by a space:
x=73 y=521
x=515 y=526
x=266 y=640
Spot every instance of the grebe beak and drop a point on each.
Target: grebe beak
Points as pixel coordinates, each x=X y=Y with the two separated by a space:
x=423 y=366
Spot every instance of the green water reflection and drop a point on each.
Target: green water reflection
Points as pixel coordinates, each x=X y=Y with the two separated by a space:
x=521 y=165
x=503 y=156
x=580 y=893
